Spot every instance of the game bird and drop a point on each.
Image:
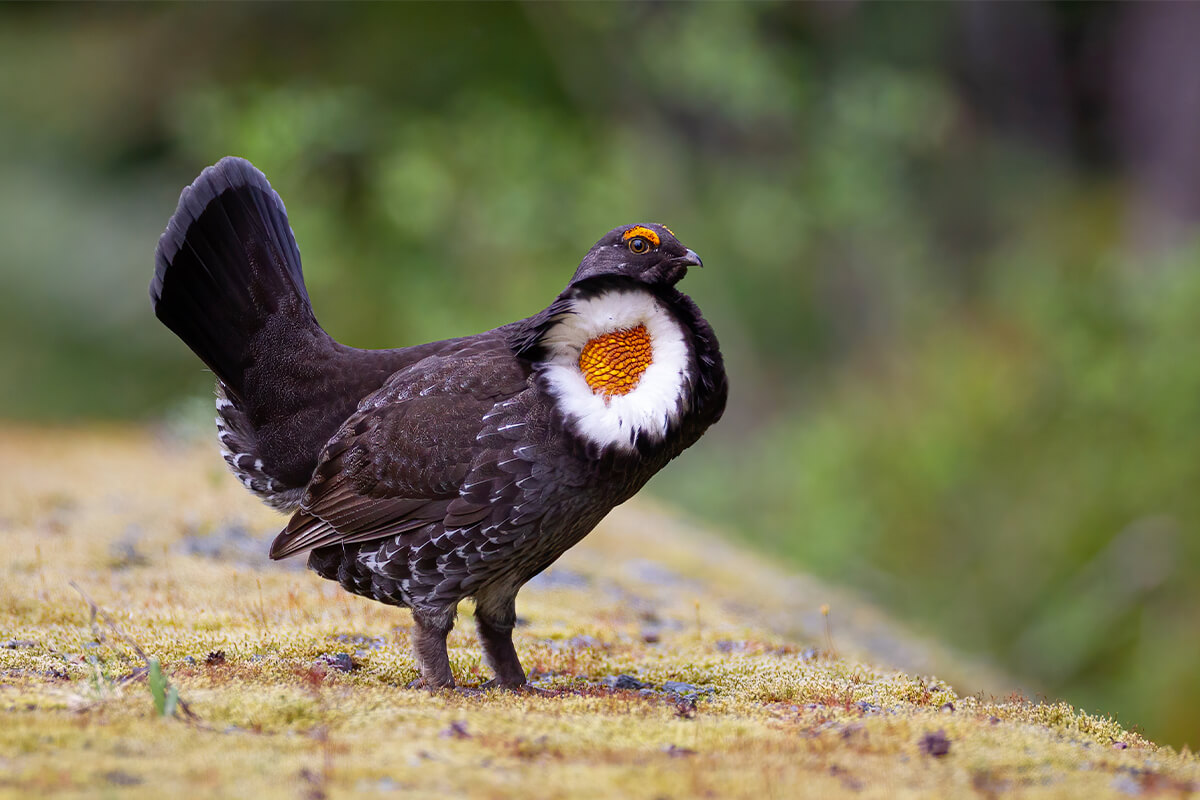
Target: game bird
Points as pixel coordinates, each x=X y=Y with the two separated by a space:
x=424 y=475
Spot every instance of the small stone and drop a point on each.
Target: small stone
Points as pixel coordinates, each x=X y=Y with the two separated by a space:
x=651 y=636
x=934 y=744
x=583 y=642
x=675 y=751
x=17 y=644
x=342 y=662
x=457 y=730
x=1126 y=784
x=119 y=778
x=947 y=707
x=848 y=780
x=855 y=734
x=679 y=687
x=125 y=552
x=189 y=659
x=623 y=682
x=685 y=707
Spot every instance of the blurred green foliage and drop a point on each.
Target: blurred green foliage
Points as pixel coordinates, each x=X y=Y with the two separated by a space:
x=953 y=386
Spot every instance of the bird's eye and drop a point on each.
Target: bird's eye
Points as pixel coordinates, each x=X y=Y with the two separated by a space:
x=638 y=245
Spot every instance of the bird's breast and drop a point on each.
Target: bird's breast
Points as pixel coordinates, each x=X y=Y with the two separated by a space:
x=618 y=367
x=613 y=363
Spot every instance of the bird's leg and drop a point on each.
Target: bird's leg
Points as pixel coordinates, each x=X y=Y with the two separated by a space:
x=429 y=644
x=494 y=619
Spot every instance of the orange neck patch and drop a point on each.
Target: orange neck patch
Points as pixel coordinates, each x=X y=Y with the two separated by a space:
x=613 y=364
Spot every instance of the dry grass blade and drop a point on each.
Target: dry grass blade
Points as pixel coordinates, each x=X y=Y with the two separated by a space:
x=151 y=666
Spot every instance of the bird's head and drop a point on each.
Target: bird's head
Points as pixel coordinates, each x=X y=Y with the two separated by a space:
x=648 y=253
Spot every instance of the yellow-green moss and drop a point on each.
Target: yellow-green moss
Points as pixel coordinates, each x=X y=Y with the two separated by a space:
x=775 y=713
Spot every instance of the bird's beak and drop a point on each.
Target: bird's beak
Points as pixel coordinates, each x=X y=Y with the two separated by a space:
x=673 y=270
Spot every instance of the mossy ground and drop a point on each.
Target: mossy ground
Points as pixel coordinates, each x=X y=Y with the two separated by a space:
x=171 y=551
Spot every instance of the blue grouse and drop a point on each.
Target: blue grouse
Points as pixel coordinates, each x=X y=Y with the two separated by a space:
x=423 y=475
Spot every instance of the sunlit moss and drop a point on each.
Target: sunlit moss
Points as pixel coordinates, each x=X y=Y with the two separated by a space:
x=249 y=647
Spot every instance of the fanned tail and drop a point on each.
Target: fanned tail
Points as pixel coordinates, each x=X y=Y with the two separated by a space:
x=227 y=280
x=227 y=270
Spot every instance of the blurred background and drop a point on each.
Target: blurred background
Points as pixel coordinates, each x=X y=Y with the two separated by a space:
x=952 y=251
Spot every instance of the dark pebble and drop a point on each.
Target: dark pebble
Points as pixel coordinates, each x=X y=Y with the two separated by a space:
x=342 y=662
x=118 y=778
x=17 y=644
x=934 y=744
x=675 y=751
x=680 y=688
x=685 y=707
x=855 y=734
x=623 y=681
x=457 y=730
x=124 y=553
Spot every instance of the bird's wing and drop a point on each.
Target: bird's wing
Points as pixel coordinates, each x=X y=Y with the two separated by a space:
x=402 y=461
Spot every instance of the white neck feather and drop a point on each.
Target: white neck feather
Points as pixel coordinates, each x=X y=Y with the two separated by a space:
x=654 y=405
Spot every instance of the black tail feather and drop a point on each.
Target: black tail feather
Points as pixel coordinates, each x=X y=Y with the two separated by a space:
x=227 y=281
x=226 y=264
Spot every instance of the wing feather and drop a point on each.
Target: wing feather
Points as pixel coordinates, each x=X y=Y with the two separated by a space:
x=410 y=457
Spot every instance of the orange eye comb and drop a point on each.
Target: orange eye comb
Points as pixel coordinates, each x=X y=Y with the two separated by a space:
x=646 y=233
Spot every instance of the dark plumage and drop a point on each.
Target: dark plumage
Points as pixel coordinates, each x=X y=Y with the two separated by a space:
x=462 y=468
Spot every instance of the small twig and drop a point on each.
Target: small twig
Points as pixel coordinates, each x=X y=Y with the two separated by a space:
x=828 y=631
x=98 y=615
